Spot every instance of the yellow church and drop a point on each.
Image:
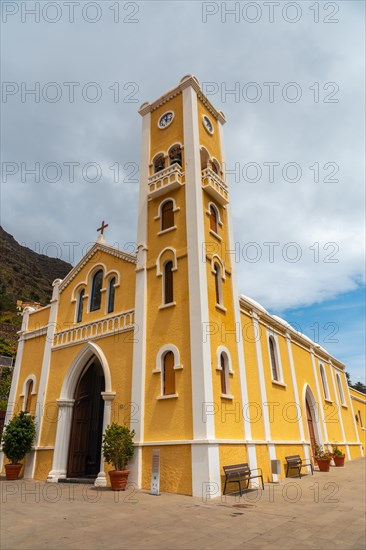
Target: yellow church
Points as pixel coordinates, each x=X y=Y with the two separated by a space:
x=161 y=340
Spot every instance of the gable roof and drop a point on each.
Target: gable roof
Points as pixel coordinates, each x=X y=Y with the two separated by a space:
x=126 y=256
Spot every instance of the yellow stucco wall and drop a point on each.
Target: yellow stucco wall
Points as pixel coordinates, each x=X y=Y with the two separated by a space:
x=231 y=454
x=43 y=464
x=119 y=356
x=124 y=293
x=38 y=318
x=283 y=416
x=31 y=365
x=210 y=142
x=254 y=411
x=162 y=139
x=358 y=401
x=175 y=468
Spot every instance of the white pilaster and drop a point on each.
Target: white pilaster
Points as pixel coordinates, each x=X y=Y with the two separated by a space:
x=296 y=393
x=202 y=392
x=322 y=422
x=262 y=381
x=59 y=464
x=353 y=418
x=339 y=409
x=42 y=388
x=16 y=371
x=205 y=461
x=239 y=331
x=101 y=480
x=139 y=351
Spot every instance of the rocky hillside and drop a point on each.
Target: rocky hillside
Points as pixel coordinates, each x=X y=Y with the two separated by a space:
x=26 y=275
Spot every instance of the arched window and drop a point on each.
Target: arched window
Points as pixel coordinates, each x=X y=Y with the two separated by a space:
x=159 y=163
x=111 y=292
x=218 y=283
x=273 y=354
x=224 y=374
x=28 y=397
x=167 y=215
x=96 y=295
x=214 y=215
x=168 y=374
x=216 y=167
x=340 y=389
x=175 y=155
x=80 y=306
x=205 y=157
x=324 y=382
x=168 y=282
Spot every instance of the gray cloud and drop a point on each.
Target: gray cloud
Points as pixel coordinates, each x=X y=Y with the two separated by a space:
x=169 y=41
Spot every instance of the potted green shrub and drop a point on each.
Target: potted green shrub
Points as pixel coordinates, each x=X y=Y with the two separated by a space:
x=18 y=439
x=322 y=458
x=118 y=449
x=338 y=456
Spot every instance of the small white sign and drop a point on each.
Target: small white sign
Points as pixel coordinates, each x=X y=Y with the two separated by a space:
x=155 y=473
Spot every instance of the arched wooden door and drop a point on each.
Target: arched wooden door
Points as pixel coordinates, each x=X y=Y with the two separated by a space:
x=87 y=424
x=311 y=428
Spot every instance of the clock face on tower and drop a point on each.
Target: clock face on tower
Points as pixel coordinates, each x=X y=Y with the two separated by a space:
x=166 y=119
x=207 y=124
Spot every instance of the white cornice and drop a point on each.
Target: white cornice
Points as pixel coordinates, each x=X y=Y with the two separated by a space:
x=283 y=327
x=95 y=248
x=185 y=82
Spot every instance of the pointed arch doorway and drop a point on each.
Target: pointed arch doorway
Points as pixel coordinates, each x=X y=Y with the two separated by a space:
x=87 y=423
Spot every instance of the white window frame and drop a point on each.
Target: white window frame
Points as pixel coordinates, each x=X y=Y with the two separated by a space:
x=323 y=377
x=274 y=336
x=159 y=366
x=340 y=389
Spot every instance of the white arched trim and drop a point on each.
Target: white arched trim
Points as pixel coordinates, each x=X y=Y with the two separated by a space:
x=76 y=290
x=159 y=270
x=87 y=280
x=177 y=144
x=159 y=154
x=208 y=212
x=175 y=207
x=216 y=258
x=308 y=395
x=160 y=357
x=66 y=403
x=116 y=274
x=217 y=164
x=78 y=366
x=323 y=377
x=340 y=389
x=220 y=350
x=27 y=381
x=205 y=151
x=274 y=336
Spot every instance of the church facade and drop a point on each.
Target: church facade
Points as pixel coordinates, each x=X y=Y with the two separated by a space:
x=161 y=340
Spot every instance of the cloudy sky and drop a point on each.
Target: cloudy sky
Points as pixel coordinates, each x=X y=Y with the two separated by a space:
x=289 y=77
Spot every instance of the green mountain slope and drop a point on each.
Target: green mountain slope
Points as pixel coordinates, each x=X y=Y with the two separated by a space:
x=26 y=275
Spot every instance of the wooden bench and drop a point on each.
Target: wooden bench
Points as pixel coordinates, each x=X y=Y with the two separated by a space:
x=295 y=462
x=239 y=473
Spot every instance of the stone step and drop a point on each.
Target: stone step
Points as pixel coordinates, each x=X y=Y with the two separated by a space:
x=85 y=480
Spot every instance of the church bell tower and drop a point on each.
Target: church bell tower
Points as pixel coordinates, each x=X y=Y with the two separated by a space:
x=188 y=357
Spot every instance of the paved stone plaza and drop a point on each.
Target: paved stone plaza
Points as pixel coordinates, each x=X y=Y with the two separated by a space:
x=326 y=510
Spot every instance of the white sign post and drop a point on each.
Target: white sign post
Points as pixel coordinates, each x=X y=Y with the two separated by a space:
x=155 y=473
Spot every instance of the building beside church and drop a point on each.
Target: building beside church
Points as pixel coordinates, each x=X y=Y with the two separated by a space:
x=162 y=340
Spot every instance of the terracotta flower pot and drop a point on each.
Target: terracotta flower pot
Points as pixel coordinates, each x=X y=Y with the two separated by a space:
x=323 y=464
x=339 y=460
x=12 y=471
x=119 y=479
